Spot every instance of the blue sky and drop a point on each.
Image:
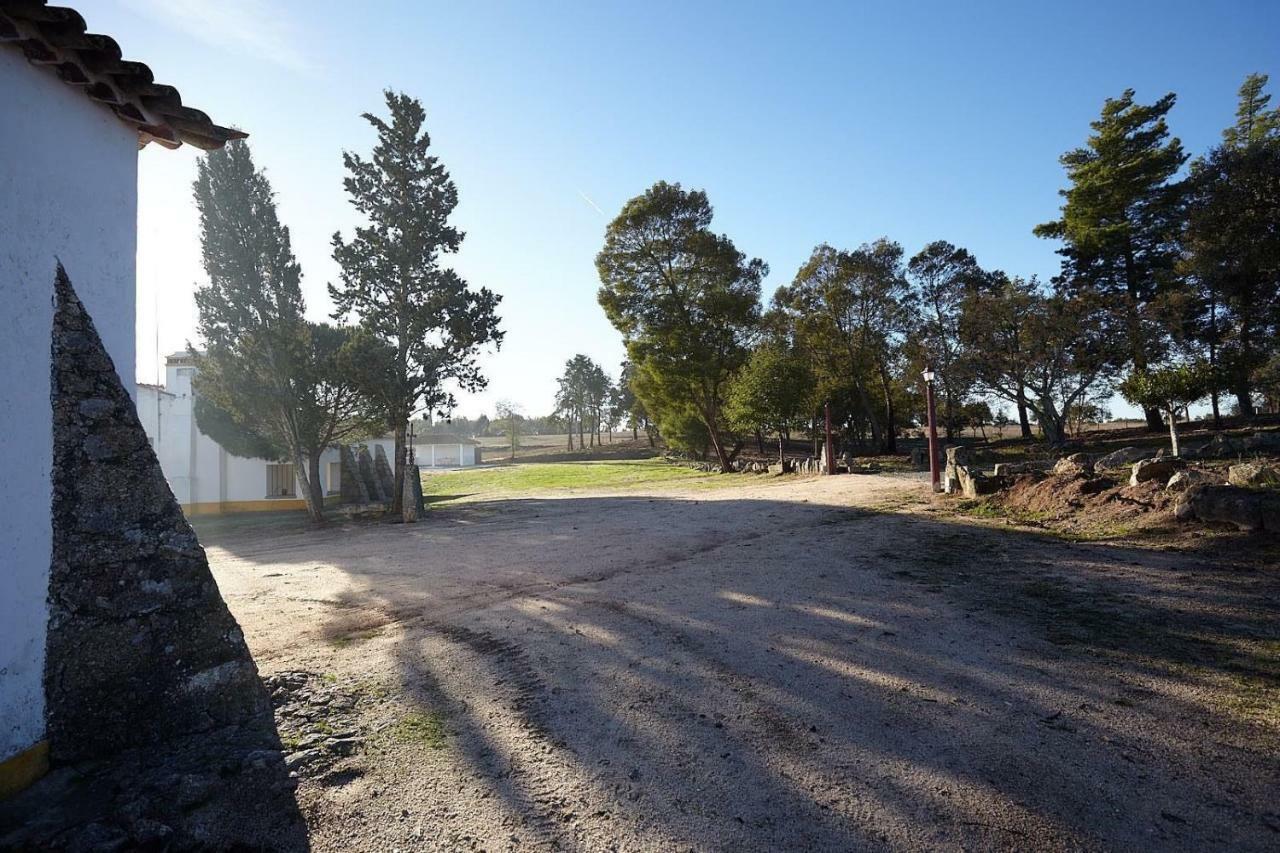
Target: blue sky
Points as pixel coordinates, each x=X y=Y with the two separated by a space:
x=838 y=122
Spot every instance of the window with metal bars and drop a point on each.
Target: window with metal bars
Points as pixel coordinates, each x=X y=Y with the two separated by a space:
x=280 y=481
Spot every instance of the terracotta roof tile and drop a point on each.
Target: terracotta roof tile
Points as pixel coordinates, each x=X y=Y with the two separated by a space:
x=56 y=37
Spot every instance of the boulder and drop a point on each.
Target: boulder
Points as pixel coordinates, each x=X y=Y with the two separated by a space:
x=1245 y=509
x=1219 y=447
x=1122 y=457
x=976 y=484
x=1154 y=469
x=1253 y=474
x=1183 y=480
x=1075 y=465
x=957 y=457
x=1010 y=469
x=1263 y=442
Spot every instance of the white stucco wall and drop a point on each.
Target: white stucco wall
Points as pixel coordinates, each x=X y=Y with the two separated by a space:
x=68 y=190
x=198 y=469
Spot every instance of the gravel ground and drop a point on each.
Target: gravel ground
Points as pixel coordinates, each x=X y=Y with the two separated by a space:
x=805 y=664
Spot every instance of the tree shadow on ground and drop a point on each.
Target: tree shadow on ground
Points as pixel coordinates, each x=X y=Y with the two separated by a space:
x=756 y=674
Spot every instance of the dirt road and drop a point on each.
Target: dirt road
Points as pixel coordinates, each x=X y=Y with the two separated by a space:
x=819 y=664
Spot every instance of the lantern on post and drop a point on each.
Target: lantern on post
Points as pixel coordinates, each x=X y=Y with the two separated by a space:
x=934 y=474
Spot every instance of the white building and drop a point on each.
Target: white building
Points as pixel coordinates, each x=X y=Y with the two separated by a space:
x=75 y=117
x=204 y=476
x=434 y=450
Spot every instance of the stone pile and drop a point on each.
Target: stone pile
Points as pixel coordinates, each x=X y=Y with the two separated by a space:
x=318 y=720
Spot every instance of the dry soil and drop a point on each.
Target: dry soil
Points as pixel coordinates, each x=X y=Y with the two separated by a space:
x=792 y=664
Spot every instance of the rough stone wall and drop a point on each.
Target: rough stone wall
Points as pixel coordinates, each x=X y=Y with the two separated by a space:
x=353 y=488
x=365 y=461
x=141 y=648
x=382 y=470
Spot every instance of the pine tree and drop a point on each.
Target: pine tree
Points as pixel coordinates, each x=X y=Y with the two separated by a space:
x=1121 y=217
x=686 y=301
x=431 y=323
x=1232 y=247
x=1254 y=122
x=269 y=381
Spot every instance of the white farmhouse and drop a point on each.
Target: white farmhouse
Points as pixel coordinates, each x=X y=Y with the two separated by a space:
x=75 y=115
x=204 y=477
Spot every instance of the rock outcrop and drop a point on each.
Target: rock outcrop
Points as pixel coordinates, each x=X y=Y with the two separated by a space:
x=1253 y=474
x=1183 y=480
x=1245 y=509
x=1121 y=458
x=1075 y=465
x=1154 y=469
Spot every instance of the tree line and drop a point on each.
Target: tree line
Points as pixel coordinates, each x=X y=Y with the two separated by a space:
x=407 y=329
x=1168 y=292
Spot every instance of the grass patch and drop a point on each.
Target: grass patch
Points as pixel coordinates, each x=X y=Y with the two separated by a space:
x=420 y=727
x=536 y=478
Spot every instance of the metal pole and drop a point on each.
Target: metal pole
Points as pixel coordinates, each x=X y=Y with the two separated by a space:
x=934 y=474
x=830 y=448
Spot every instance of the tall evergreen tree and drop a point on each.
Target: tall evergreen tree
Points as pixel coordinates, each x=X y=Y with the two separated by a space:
x=686 y=302
x=1254 y=122
x=432 y=323
x=851 y=311
x=942 y=276
x=1121 y=217
x=1232 y=246
x=269 y=381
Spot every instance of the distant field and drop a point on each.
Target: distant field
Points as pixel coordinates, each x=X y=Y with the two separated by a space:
x=504 y=481
x=556 y=448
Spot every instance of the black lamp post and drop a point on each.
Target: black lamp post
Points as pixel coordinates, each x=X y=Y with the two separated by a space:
x=934 y=474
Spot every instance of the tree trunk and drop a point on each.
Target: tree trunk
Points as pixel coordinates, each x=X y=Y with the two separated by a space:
x=397 y=496
x=635 y=433
x=1213 y=363
x=717 y=445
x=571 y=435
x=1243 y=390
x=867 y=409
x=1244 y=400
x=1173 y=432
x=890 y=418
x=782 y=453
x=1024 y=422
x=1051 y=424
x=310 y=482
x=760 y=442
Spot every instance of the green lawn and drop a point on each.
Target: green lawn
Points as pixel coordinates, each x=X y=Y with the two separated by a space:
x=535 y=478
